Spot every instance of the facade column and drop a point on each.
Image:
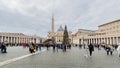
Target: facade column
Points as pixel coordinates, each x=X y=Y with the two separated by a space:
x=14 y=39
x=107 y=41
x=95 y=40
x=1 y=38
x=117 y=39
x=98 y=40
x=88 y=41
x=5 y=38
x=11 y=40
x=18 y=39
x=8 y=40
x=110 y=40
x=24 y=40
x=113 y=40
x=83 y=41
x=104 y=40
x=92 y=40
x=28 y=40
x=79 y=41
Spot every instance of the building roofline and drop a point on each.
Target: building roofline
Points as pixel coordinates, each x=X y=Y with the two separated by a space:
x=87 y=30
x=109 y=22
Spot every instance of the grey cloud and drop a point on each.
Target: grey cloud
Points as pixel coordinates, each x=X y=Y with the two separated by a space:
x=34 y=16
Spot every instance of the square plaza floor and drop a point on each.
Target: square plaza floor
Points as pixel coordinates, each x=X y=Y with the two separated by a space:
x=73 y=58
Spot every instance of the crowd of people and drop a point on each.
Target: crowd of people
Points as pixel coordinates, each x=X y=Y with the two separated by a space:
x=35 y=47
x=108 y=48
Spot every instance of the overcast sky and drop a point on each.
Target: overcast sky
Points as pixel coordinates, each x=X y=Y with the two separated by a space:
x=34 y=16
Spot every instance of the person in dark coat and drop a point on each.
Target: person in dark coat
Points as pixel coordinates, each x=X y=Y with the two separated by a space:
x=91 y=49
x=64 y=48
x=39 y=46
x=109 y=49
x=36 y=47
x=53 y=47
x=3 y=48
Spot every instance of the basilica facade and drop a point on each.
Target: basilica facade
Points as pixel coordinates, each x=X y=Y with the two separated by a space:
x=58 y=35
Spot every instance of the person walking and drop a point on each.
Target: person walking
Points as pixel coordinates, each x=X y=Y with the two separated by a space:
x=118 y=50
x=39 y=46
x=111 y=49
x=32 y=48
x=53 y=45
x=91 y=49
x=3 y=48
x=107 y=48
x=36 y=47
x=64 y=48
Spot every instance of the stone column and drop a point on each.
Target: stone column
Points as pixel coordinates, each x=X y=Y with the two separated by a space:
x=14 y=39
x=5 y=38
x=95 y=40
x=117 y=39
x=18 y=40
x=104 y=40
x=1 y=38
x=107 y=41
x=113 y=40
x=98 y=40
x=11 y=40
x=91 y=40
x=110 y=40
x=8 y=40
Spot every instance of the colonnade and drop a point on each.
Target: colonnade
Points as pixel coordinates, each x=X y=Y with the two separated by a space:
x=101 y=40
x=17 y=39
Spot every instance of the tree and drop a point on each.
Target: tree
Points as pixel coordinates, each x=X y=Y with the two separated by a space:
x=65 y=36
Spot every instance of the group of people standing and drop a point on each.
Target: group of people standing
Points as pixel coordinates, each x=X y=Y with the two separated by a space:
x=108 y=48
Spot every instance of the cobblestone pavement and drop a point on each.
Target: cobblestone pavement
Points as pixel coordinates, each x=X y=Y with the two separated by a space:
x=73 y=58
x=13 y=52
